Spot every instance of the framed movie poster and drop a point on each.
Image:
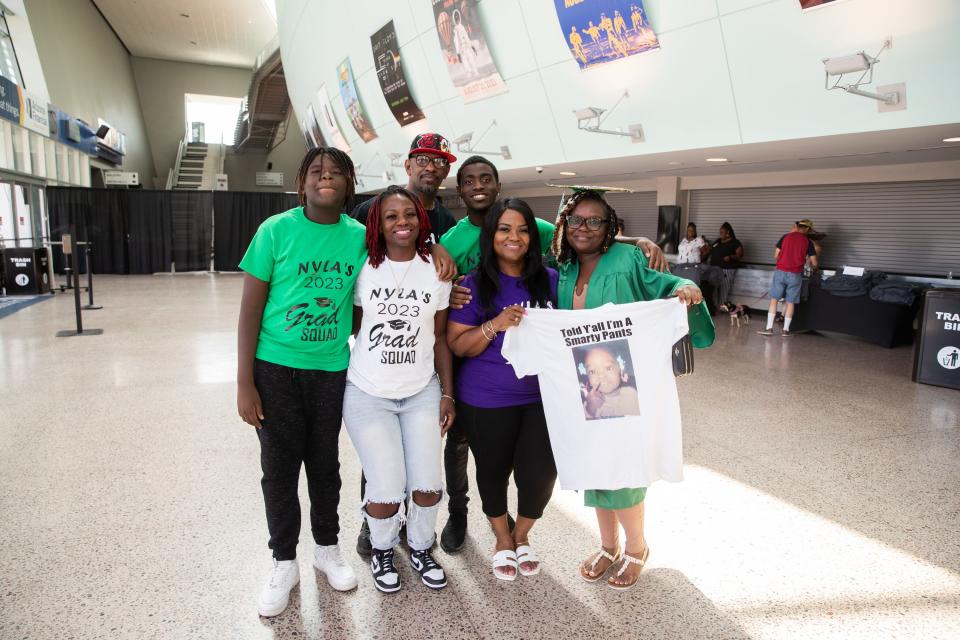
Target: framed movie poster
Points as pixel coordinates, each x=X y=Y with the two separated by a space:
x=393 y=82
x=329 y=121
x=469 y=63
x=599 y=31
x=351 y=102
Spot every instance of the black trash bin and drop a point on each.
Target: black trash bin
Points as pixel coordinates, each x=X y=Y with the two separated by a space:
x=936 y=359
x=25 y=271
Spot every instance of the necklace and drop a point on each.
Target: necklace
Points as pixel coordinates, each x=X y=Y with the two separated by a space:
x=406 y=271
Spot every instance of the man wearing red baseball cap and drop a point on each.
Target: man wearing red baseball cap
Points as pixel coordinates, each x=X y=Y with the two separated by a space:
x=427 y=165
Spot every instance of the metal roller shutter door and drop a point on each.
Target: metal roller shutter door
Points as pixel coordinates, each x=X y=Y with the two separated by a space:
x=901 y=227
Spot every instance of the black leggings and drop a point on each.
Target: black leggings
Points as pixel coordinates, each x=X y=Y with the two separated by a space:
x=510 y=439
x=302 y=411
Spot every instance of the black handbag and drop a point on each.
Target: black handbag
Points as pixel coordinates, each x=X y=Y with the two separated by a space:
x=682 y=357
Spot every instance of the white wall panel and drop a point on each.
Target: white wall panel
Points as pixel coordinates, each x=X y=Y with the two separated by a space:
x=775 y=54
x=543 y=32
x=666 y=16
x=750 y=74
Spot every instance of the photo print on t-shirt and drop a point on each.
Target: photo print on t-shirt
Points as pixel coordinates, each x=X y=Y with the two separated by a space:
x=607 y=383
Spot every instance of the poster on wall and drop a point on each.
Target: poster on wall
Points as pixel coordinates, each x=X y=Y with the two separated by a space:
x=810 y=4
x=329 y=120
x=351 y=102
x=313 y=127
x=469 y=63
x=599 y=31
x=396 y=91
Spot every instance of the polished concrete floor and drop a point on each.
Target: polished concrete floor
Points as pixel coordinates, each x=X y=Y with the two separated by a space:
x=820 y=499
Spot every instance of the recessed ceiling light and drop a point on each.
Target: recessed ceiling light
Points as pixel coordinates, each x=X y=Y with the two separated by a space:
x=717 y=160
x=674 y=162
x=957 y=139
x=568 y=173
x=442 y=187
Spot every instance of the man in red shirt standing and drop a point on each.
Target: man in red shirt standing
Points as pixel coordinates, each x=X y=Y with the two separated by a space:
x=791 y=254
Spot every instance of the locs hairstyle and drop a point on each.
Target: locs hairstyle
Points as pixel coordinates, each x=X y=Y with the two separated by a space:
x=534 y=276
x=339 y=158
x=562 y=248
x=377 y=244
x=726 y=225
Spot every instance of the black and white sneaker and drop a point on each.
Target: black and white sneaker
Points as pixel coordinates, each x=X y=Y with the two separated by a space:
x=385 y=575
x=430 y=572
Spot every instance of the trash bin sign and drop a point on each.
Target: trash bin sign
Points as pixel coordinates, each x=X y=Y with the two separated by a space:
x=937 y=356
x=26 y=271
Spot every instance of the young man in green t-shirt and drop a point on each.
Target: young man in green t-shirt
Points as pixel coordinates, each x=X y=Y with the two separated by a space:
x=478 y=185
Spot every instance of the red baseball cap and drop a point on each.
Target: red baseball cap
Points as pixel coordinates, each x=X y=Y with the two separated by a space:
x=432 y=143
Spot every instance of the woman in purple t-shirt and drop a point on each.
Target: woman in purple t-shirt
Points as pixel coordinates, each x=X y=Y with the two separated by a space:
x=502 y=415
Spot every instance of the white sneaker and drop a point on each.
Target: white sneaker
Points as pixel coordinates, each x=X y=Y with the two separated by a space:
x=276 y=593
x=329 y=561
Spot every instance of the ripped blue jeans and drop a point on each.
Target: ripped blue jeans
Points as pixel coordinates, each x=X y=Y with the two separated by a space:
x=398 y=442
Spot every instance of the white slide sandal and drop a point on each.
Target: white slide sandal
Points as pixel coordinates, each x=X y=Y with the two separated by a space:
x=505 y=558
x=525 y=553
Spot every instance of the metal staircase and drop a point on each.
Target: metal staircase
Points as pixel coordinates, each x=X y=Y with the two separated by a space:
x=262 y=123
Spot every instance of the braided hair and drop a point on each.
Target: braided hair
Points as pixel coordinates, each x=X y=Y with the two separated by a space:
x=339 y=158
x=376 y=244
x=561 y=247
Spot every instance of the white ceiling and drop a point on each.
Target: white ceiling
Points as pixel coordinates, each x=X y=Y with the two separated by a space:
x=219 y=32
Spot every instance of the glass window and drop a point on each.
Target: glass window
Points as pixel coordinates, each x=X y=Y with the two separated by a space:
x=9 y=66
x=211 y=119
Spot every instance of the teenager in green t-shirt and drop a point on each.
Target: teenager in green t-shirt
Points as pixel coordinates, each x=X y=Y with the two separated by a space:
x=295 y=317
x=478 y=185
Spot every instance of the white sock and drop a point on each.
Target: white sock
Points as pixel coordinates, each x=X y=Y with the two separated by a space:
x=786 y=323
x=770 y=318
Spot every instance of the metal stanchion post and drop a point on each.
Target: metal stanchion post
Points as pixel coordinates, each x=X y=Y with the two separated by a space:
x=90 y=304
x=68 y=253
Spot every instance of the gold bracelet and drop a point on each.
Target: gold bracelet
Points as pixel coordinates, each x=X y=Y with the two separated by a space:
x=483 y=330
x=446 y=396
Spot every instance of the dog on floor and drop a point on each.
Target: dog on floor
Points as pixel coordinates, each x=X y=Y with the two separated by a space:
x=739 y=314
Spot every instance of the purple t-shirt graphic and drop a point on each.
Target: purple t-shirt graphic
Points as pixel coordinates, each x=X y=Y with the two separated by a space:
x=486 y=380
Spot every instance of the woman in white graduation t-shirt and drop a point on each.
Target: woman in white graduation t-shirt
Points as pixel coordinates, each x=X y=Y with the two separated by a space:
x=394 y=408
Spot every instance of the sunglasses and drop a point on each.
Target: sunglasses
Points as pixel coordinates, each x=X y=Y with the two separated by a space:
x=575 y=222
x=423 y=160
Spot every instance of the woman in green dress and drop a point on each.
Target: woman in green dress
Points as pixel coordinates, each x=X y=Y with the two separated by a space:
x=595 y=270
